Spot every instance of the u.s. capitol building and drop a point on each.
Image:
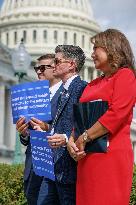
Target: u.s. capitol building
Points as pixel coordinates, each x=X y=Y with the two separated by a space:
x=42 y=24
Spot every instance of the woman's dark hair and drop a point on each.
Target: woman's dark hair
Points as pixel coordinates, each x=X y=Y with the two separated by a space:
x=117 y=48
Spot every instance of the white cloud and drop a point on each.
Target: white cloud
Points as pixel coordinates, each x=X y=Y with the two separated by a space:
x=103 y=22
x=120 y=14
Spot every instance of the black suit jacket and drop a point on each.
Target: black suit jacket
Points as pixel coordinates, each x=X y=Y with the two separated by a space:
x=65 y=166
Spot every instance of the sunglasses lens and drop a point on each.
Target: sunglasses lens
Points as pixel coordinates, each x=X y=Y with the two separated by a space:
x=36 y=68
x=42 y=68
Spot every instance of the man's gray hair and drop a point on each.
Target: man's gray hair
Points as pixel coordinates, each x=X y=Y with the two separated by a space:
x=74 y=53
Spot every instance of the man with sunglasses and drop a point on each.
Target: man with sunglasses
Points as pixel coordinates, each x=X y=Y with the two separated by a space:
x=44 y=71
x=69 y=60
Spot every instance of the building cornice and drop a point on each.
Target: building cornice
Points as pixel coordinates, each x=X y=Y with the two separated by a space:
x=15 y=6
x=90 y=25
x=49 y=15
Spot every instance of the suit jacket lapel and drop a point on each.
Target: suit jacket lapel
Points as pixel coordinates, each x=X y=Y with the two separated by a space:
x=64 y=102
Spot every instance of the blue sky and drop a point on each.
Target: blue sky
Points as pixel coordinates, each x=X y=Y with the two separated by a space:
x=1 y=2
x=120 y=14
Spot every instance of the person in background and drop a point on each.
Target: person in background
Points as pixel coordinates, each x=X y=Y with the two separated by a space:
x=69 y=60
x=44 y=71
x=106 y=178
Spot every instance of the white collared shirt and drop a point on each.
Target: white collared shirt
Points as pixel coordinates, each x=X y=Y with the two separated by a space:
x=69 y=81
x=53 y=89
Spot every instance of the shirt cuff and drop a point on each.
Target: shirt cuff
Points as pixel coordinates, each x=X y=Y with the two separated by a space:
x=25 y=137
x=66 y=140
x=66 y=137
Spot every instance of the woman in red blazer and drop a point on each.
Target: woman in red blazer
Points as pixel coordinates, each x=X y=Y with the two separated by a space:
x=106 y=178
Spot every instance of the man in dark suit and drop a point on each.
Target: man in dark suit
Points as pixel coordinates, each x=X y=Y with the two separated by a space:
x=69 y=60
x=44 y=71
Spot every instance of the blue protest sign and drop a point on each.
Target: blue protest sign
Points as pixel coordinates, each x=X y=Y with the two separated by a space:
x=42 y=155
x=31 y=99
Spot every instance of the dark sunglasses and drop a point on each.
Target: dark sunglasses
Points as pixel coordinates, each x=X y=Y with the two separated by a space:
x=42 y=68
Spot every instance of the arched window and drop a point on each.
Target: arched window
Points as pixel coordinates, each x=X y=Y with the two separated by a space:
x=34 y=36
x=7 y=39
x=24 y=36
x=55 y=36
x=45 y=35
x=65 y=37
x=75 y=39
x=83 y=41
x=15 y=37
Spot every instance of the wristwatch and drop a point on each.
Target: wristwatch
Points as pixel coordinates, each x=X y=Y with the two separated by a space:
x=85 y=136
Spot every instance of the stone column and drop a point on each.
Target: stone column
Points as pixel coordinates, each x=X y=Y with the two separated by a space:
x=86 y=74
x=70 y=36
x=19 y=3
x=25 y=3
x=3 y=38
x=8 y=4
x=80 y=4
x=134 y=150
x=42 y=3
x=10 y=128
x=35 y=2
x=30 y=37
x=90 y=77
x=72 y=3
x=11 y=38
x=60 y=36
x=19 y=34
x=50 y=39
x=12 y=4
x=2 y=114
x=40 y=37
x=52 y=3
x=66 y=2
x=86 y=3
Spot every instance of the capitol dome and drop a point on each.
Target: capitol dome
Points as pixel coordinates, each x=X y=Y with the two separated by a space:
x=46 y=23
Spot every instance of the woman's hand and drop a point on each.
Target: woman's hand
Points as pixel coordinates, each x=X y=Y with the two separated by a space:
x=71 y=147
x=74 y=151
x=79 y=155
x=80 y=143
